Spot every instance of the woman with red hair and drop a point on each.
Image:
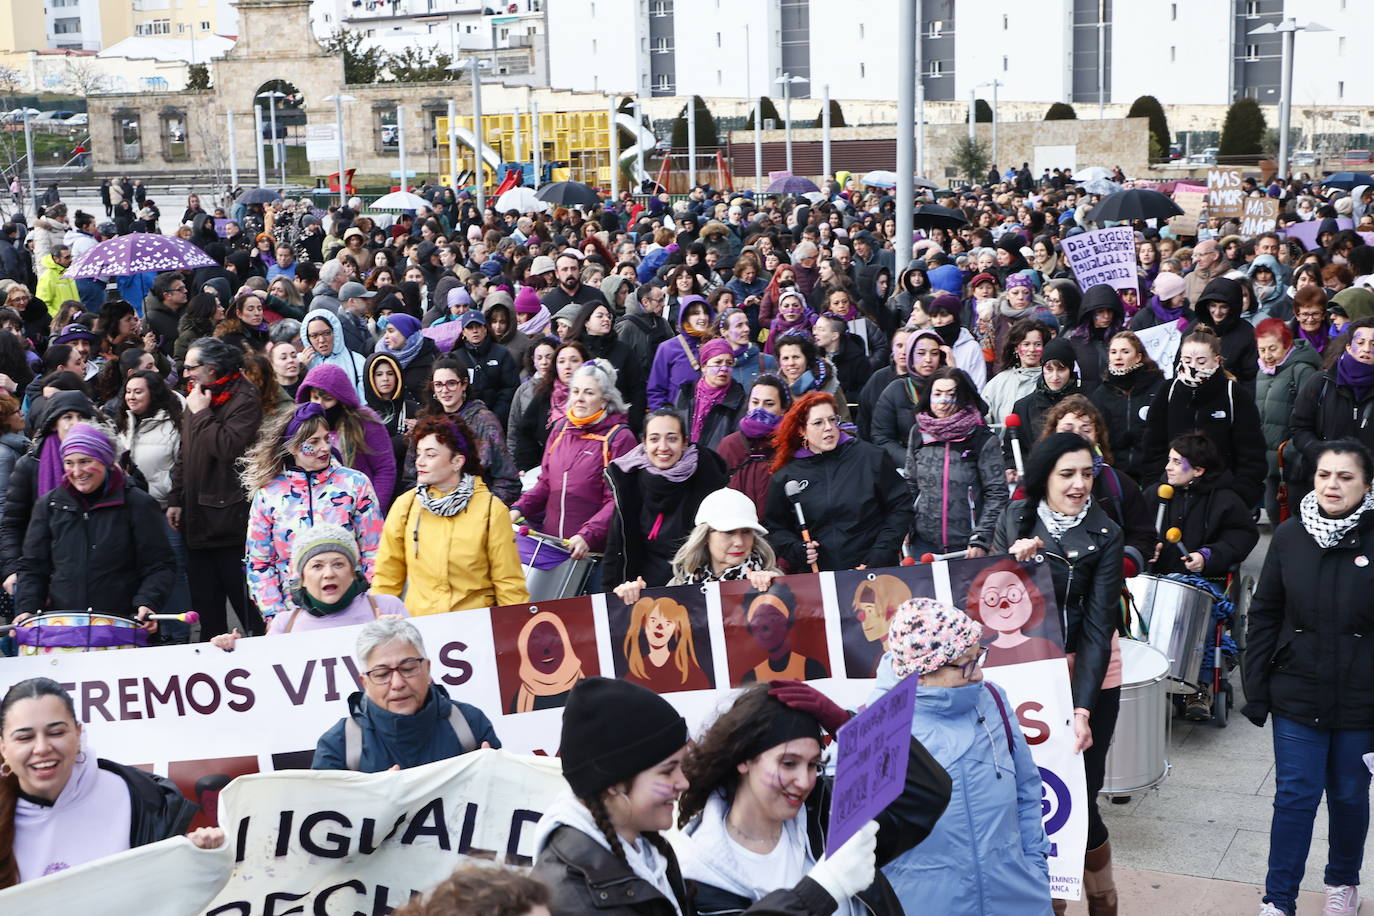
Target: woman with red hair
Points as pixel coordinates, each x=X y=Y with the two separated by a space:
x=1285 y=365
x=855 y=506
x=784 y=276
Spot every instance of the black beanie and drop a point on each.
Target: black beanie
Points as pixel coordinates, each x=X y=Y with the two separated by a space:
x=1060 y=350
x=613 y=730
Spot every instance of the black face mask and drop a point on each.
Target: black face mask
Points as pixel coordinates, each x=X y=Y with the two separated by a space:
x=949 y=333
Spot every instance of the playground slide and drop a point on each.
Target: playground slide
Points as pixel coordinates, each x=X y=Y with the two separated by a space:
x=647 y=140
x=489 y=155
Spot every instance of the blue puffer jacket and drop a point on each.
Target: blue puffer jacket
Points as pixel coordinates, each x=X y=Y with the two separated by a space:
x=987 y=854
x=388 y=738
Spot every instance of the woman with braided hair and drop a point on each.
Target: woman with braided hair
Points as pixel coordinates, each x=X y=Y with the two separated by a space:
x=600 y=847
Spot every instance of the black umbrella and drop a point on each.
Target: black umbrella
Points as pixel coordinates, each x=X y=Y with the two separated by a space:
x=1134 y=203
x=569 y=194
x=934 y=216
x=258 y=196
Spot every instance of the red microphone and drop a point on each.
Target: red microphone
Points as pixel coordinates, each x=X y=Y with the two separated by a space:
x=1013 y=422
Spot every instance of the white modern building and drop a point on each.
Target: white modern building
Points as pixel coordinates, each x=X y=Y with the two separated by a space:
x=1185 y=52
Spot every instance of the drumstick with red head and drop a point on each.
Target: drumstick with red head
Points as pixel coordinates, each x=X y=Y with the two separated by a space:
x=1013 y=423
x=188 y=617
x=935 y=557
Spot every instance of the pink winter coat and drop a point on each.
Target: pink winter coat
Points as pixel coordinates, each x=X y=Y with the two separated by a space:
x=572 y=496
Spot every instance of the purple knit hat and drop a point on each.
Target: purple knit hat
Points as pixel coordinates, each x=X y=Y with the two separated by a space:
x=1020 y=279
x=926 y=634
x=716 y=346
x=83 y=439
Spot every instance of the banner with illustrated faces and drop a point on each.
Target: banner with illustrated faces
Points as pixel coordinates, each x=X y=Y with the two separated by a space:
x=203 y=716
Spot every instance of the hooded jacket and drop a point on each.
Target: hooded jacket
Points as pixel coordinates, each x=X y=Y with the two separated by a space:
x=1276 y=303
x=374 y=456
x=1276 y=395
x=152 y=443
x=406 y=741
x=395 y=410
x=1089 y=341
x=988 y=854
x=1239 y=353
x=298 y=499
x=629 y=377
x=107 y=552
x=958 y=489
x=572 y=496
x=493 y=373
x=47 y=234
x=642 y=332
x=351 y=363
x=54 y=287
x=908 y=294
x=675 y=362
x=517 y=344
x=458 y=563
x=1223 y=411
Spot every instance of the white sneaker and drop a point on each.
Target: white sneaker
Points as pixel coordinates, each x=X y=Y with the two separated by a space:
x=1341 y=901
x=1268 y=909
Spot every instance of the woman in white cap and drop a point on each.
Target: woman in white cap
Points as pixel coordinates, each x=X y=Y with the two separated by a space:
x=727 y=543
x=988 y=853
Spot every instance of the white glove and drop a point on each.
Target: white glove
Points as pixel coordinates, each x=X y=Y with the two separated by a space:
x=851 y=869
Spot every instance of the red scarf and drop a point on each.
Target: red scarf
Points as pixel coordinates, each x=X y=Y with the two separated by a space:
x=219 y=388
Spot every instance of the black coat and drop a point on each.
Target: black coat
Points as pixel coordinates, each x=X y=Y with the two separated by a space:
x=639 y=499
x=721 y=420
x=494 y=375
x=158 y=809
x=894 y=414
x=855 y=503
x=1086 y=567
x=1210 y=515
x=111 y=555
x=1032 y=409
x=852 y=367
x=642 y=333
x=1238 y=349
x=1120 y=497
x=205 y=480
x=630 y=377
x=1222 y=410
x=868 y=399
x=1325 y=410
x=1307 y=655
x=1125 y=403
x=902 y=825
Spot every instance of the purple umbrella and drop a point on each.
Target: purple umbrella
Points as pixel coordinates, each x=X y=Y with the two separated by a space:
x=444 y=335
x=792 y=184
x=136 y=253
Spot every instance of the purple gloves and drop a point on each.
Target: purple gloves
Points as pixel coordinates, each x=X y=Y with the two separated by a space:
x=805 y=698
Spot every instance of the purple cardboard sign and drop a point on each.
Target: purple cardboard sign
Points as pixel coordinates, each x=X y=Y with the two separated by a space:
x=870 y=768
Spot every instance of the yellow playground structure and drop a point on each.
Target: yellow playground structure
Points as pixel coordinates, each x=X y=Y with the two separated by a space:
x=574 y=145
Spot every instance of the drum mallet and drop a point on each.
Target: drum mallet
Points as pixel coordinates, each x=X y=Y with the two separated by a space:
x=1166 y=493
x=1175 y=536
x=1013 y=423
x=188 y=617
x=793 y=489
x=952 y=555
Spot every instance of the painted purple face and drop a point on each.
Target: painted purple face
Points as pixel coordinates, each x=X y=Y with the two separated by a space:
x=545 y=648
x=769 y=628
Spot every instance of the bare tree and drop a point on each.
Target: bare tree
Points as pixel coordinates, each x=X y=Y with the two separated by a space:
x=85 y=78
x=11 y=81
x=211 y=149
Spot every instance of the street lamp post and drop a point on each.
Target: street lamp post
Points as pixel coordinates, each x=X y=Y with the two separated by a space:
x=479 y=183
x=233 y=151
x=1289 y=29
x=272 y=96
x=995 y=84
x=825 y=131
x=788 y=80
x=338 y=99
x=28 y=157
x=257 y=147
x=907 y=75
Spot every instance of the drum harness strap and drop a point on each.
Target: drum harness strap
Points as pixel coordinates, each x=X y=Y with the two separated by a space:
x=353 y=737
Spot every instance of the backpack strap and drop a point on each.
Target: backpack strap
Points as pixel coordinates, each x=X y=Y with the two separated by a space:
x=1006 y=722
x=376 y=611
x=467 y=741
x=291 y=621
x=691 y=358
x=353 y=743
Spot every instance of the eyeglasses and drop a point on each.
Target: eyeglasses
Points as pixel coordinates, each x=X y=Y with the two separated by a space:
x=190 y=368
x=446 y=386
x=321 y=335
x=823 y=422
x=408 y=668
x=1012 y=595
x=966 y=669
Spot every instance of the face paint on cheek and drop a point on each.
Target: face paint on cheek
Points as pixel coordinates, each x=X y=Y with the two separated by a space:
x=663 y=790
x=1184 y=466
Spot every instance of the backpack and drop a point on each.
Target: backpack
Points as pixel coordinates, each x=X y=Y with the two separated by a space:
x=353 y=737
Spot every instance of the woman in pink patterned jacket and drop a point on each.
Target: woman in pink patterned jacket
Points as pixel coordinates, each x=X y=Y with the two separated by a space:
x=295 y=482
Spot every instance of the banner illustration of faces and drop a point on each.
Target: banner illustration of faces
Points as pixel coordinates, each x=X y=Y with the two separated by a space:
x=1014 y=603
x=663 y=640
x=777 y=634
x=868 y=600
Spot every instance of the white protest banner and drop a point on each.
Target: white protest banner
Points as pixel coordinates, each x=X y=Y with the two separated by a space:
x=322 y=143
x=203 y=716
x=1103 y=256
x=1224 y=194
x=324 y=842
x=1192 y=199
x=1261 y=214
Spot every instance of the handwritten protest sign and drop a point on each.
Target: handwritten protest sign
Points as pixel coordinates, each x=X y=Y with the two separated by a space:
x=870 y=769
x=1225 y=197
x=1261 y=215
x=1192 y=199
x=1103 y=256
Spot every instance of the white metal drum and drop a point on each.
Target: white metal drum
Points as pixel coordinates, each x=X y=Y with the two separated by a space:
x=1178 y=618
x=1139 y=756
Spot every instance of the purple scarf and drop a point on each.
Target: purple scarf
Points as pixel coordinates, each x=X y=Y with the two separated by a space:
x=1318 y=340
x=637 y=459
x=707 y=396
x=1357 y=375
x=954 y=428
x=50 y=472
x=1165 y=316
x=780 y=326
x=758 y=423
